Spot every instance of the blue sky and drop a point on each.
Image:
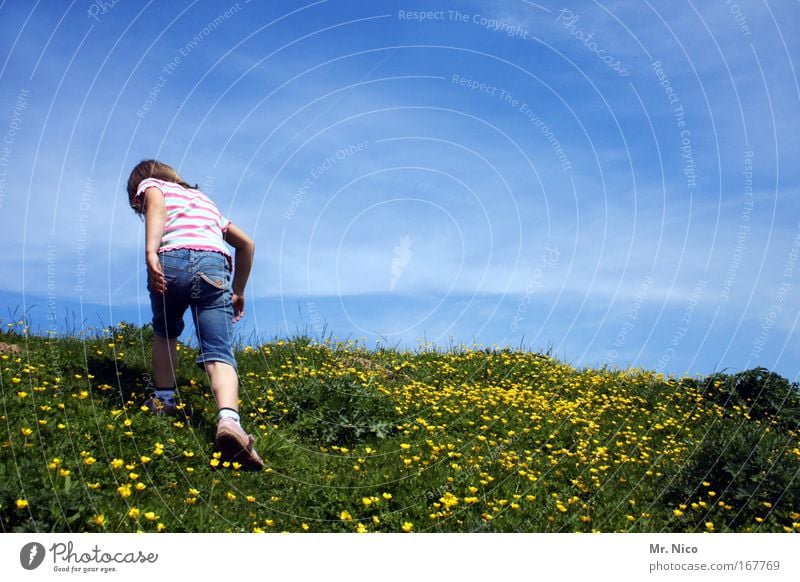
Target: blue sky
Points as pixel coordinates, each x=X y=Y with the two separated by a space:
x=614 y=181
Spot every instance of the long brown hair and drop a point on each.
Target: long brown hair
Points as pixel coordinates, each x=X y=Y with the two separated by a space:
x=151 y=169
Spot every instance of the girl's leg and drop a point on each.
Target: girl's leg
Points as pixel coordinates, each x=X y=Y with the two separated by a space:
x=224 y=383
x=212 y=311
x=165 y=361
x=231 y=440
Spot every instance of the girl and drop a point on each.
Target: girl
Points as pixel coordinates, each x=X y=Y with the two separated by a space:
x=189 y=266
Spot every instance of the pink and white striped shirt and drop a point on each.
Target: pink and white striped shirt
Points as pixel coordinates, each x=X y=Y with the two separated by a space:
x=193 y=220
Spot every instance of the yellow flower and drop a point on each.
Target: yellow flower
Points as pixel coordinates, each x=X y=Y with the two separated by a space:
x=407 y=526
x=89 y=461
x=54 y=463
x=99 y=520
x=151 y=516
x=145 y=459
x=405 y=446
x=305 y=526
x=677 y=512
x=387 y=496
x=117 y=463
x=366 y=501
x=361 y=528
x=140 y=486
x=345 y=515
x=250 y=499
x=22 y=503
x=26 y=431
x=124 y=490
x=230 y=496
x=64 y=472
x=710 y=525
x=449 y=500
x=133 y=513
x=160 y=527
x=22 y=394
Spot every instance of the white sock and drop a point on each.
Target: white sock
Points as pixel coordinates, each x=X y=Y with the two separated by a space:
x=228 y=413
x=166 y=395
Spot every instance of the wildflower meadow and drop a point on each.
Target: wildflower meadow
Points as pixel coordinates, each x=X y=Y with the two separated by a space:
x=379 y=439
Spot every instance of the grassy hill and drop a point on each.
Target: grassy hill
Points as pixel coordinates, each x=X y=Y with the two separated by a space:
x=384 y=440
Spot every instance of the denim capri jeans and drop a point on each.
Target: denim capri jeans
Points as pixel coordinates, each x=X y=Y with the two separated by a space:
x=200 y=281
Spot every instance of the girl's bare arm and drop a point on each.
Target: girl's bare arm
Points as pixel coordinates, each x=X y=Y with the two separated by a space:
x=155 y=211
x=245 y=249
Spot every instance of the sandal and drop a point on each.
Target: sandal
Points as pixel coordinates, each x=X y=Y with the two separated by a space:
x=236 y=445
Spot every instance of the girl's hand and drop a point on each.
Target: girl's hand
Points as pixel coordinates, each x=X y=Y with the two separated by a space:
x=155 y=275
x=238 y=307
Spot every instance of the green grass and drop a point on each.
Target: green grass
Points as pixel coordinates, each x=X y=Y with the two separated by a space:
x=385 y=440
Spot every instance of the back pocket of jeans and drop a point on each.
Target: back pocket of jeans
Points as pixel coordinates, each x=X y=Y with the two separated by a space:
x=217 y=282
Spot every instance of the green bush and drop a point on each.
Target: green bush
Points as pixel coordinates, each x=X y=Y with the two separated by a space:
x=749 y=467
x=764 y=395
x=339 y=411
